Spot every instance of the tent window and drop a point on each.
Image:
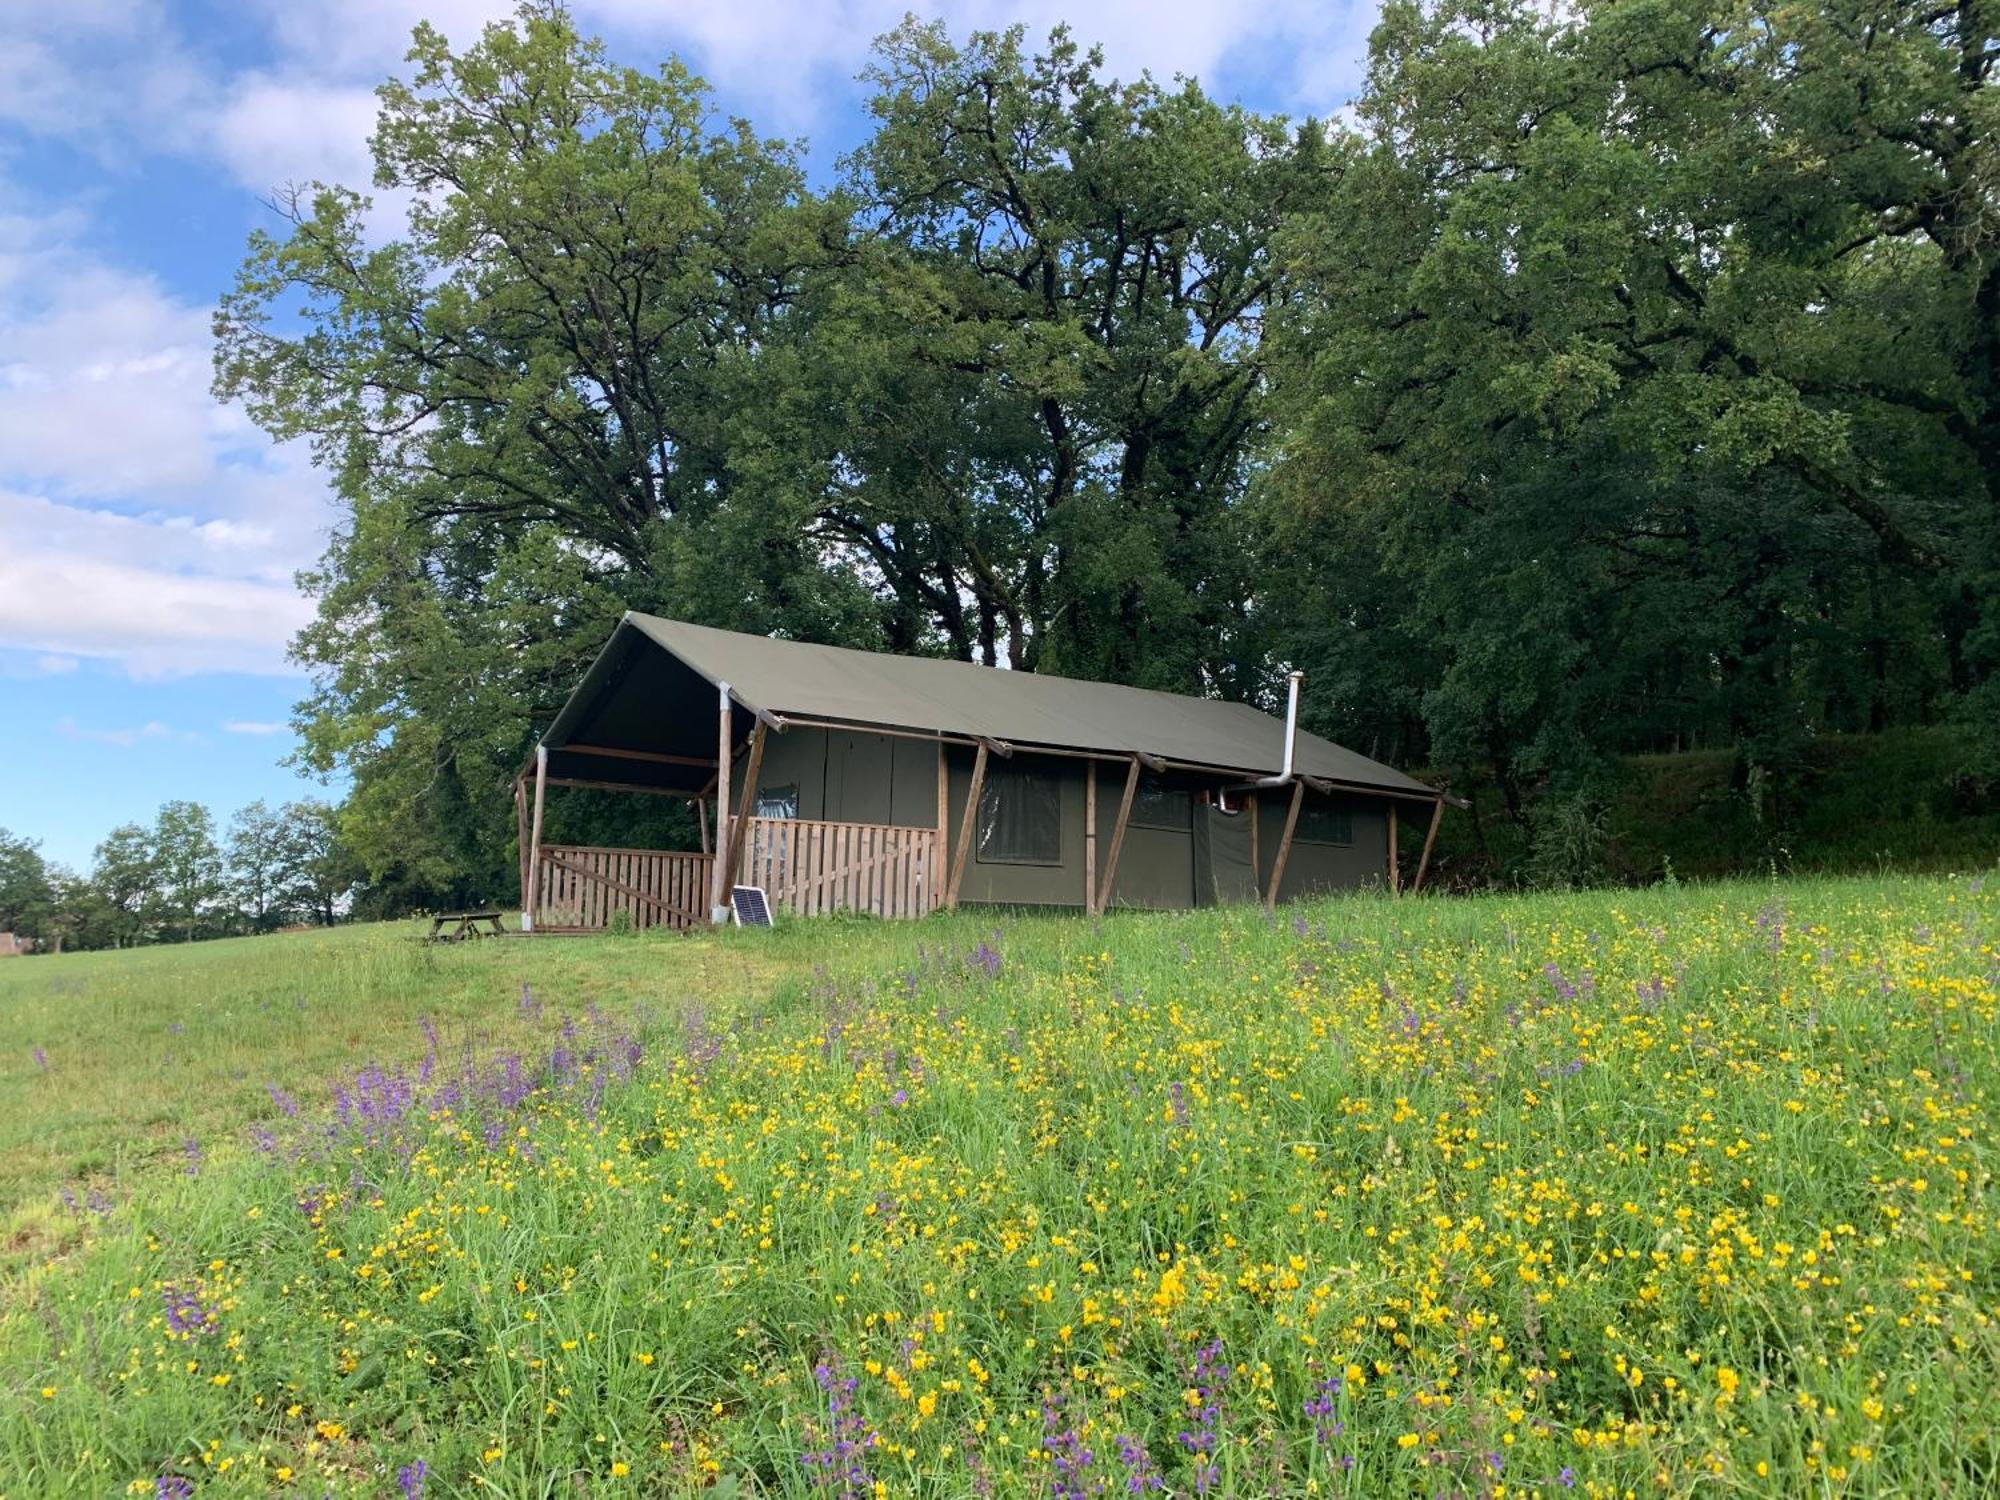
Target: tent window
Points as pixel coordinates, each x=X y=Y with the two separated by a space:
x=778 y=801
x=1326 y=825
x=1020 y=818
x=1157 y=805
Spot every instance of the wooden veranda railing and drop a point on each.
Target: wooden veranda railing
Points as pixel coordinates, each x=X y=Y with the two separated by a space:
x=808 y=867
x=584 y=887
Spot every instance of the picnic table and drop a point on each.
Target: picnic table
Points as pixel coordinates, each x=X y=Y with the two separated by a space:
x=456 y=926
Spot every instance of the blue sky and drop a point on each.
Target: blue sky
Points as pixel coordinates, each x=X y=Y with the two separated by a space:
x=148 y=535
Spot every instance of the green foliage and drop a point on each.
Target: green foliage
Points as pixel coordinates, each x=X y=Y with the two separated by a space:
x=1898 y=800
x=1639 y=376
x=189 y=867
x=27 y=892
x=1673 y=1192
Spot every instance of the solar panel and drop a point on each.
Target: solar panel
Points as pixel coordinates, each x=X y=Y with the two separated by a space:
x=753 y=908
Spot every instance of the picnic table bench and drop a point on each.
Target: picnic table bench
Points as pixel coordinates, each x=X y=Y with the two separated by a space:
x=456 y=926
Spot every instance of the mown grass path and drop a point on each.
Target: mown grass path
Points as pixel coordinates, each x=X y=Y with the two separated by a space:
x=1664 y=1192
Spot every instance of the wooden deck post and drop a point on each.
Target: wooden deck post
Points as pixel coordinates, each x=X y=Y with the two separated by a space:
x=968 y=826
x=1285 y=843
x=1118 y=836
x=1090 y=837
x=718 y=891
x=531 y=899
x=745 y=805
x=1430 y=838
x=1395 y=865
x=701 y=822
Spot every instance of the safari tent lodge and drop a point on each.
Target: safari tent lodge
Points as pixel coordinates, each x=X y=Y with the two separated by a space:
x=844 y=780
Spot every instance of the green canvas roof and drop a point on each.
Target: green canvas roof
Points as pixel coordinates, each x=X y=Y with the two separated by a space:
x=796 y=679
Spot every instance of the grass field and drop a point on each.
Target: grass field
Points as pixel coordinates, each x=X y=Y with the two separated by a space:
x=1680 y=1191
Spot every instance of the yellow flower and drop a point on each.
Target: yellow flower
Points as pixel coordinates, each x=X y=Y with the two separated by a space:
x=620 y=1469
x=644 y=1359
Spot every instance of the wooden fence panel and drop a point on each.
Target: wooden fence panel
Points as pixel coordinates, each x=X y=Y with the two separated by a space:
x=584 y=887
x=808 y=867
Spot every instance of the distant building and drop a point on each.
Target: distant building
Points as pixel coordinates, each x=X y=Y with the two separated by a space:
x=12 y=946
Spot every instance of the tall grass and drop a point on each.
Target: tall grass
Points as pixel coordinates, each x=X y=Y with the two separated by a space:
x=1666 y=1192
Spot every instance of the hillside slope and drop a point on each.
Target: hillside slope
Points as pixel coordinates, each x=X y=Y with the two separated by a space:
x=1655 y=1191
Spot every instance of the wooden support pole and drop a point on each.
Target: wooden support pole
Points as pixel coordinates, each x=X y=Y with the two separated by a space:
x=1395 y=865
x=1430 y=839
x=1285 y=843
x=719 y=893
x=521 y=834
x=968 y=826
x=1090 y=837
x=1118 y=835
x=701 y=821
x=531 y=899
x=745 y=806
x=651 y=756
x=621 y=786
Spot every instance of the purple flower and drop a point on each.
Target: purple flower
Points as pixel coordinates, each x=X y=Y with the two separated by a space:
x=191 y=1149
x=173 y=1487
x=286 y=1104
x=1069 y=1460
x=41 y=1060
x=410 y=1479
x=1141 y=1473
x=986 y=957
x=186 y=1316
x=840 y=1468
x=1203 y=1435
x=900 y=1098
x=1320 y=1406
x=1567 y=1478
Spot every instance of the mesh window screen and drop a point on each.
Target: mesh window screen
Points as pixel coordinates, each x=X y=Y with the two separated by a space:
x=1326 y=825
x=1020 y=818
x=1157 y=805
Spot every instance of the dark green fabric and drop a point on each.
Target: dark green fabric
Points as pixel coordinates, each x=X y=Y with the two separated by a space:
x=1225 y=873
x=791 y=678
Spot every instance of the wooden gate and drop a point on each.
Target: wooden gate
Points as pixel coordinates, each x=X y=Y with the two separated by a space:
x=809 y=867
x=583 y=887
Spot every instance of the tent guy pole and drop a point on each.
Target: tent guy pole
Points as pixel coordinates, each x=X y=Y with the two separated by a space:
x=529 y=897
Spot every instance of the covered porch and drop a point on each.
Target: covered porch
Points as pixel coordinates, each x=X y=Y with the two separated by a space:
x=635 y=725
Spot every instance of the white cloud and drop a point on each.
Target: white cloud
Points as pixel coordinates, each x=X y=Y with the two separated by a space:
x=25 y=666
x=151 y=732
x=251 y=726
x=100 y=74
x=149 y=615
x=277 y=129
x=139 y=520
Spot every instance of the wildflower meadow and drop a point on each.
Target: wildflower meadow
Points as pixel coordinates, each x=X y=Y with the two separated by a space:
x=1665 y=1192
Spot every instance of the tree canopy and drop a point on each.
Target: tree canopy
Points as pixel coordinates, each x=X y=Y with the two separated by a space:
x=1614 y=379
